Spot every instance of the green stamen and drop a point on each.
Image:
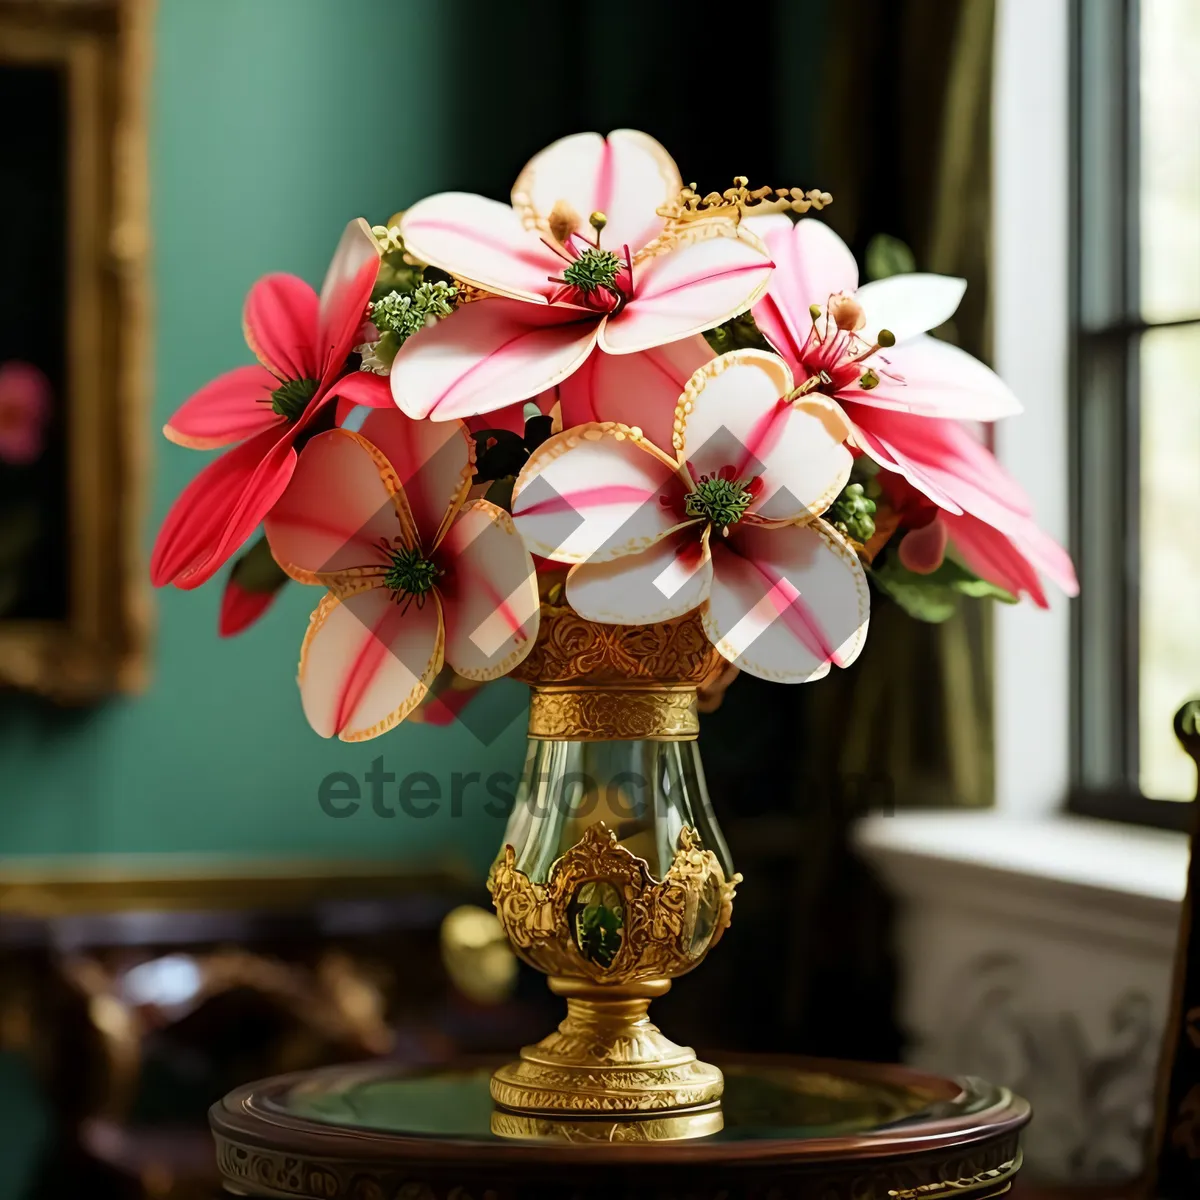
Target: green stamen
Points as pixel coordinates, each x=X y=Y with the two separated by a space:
x=290 y=399
x=723 y=502
x=411 y=574
x=593 y=270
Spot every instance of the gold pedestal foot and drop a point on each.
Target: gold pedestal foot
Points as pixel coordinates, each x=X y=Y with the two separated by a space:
x=607 y=1057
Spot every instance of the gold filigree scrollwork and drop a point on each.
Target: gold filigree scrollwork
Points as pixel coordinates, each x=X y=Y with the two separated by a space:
x=572 y=650
x=592 y=714
x=667 y=927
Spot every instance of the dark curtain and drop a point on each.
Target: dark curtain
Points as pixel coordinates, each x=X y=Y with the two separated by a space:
x=884 y=103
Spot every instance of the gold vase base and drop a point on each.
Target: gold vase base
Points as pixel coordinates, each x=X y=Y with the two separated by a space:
x=608 y=1058
x=669 y=1127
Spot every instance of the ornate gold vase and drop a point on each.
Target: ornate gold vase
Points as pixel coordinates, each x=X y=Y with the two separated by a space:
x=614 y=878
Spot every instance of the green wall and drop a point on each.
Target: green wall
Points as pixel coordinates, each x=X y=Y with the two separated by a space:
x=274 y=122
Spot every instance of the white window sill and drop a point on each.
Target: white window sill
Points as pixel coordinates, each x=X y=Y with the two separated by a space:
x=1101 y=878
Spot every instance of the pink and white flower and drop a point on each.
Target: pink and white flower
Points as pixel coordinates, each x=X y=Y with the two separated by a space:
x=416 y=576
x=302 y=342
x=727 y=521
x=580 y=261
x=905 y=394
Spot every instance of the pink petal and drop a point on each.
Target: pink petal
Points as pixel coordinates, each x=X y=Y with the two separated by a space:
x=220 y=509
x=922 y=550
x=907 y=305
x=367 y=661
x=950 y=465
x=934 y=379
x=489 y=593
x=994 y=557
x=593 y=493
x=337 y=512
x=483 y=242
x=344 y=296
x=635 y=389
x=943 y=459
x=708 y=273
x=787 y=601
x=279 y=321
x=434 y=462
x=734 y=420
x=363 y=387
x=233 y=407
x=627 y=176
x=811 y=264
x=488 y=355
x=886 y=437
x=669 y=579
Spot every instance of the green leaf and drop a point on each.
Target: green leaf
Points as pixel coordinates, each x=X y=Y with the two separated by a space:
x=933 y=597
x=500 y=493
x=887 y=256
x=739 y=333
x=257 y=571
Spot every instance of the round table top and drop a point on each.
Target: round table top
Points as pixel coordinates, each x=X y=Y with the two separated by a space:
x=787 y=1127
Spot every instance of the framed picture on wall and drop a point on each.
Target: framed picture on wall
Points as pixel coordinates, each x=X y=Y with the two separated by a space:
x=74 y=241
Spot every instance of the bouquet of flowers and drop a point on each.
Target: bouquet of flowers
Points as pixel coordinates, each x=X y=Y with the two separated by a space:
x=614 y=393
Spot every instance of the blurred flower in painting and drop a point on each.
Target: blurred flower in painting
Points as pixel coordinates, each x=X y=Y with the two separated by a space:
x=25 y=403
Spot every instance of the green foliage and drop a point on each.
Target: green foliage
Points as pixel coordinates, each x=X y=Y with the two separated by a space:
x=887 y=256
x=257 y=571
x=853 y=513
x=598 y=933
x=933 y=597
x=404 y=313
x=396 y=275
x=739 y=333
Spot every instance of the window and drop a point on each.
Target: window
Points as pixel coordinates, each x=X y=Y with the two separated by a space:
x=1136 y=407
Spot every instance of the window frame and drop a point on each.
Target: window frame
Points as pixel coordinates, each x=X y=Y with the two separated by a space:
x=1104 y=415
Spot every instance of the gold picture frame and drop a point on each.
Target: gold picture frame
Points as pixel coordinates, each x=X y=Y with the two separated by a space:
x=102 y=48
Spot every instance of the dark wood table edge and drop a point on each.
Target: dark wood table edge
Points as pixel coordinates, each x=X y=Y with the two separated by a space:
x=234 y=1120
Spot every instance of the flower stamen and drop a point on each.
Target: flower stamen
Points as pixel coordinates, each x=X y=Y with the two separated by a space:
x=291 y=397
x=410 y=576
x=722 y=502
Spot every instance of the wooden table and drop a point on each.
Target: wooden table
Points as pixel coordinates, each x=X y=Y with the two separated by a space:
x=788 y=1128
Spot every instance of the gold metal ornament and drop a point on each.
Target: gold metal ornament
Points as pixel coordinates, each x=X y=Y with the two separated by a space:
x=575 y=889
x=611 y=938
x=594 y=682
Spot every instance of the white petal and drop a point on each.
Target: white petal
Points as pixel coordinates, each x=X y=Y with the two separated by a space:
x=909 y=304
x=627 y=176
x=692 y=282
x=489 y=593
x=367 y=661
x=733 y=420
x=669 y=579
x=487 y=355
x=596 y=492
x=483 y=242
x=787 y=601
x=931 y=378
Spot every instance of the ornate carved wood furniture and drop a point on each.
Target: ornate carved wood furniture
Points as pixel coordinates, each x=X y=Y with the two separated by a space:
x=789 y=1129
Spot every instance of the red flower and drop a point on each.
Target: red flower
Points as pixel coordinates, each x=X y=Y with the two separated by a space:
x=24 y=411
x=301 y=342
